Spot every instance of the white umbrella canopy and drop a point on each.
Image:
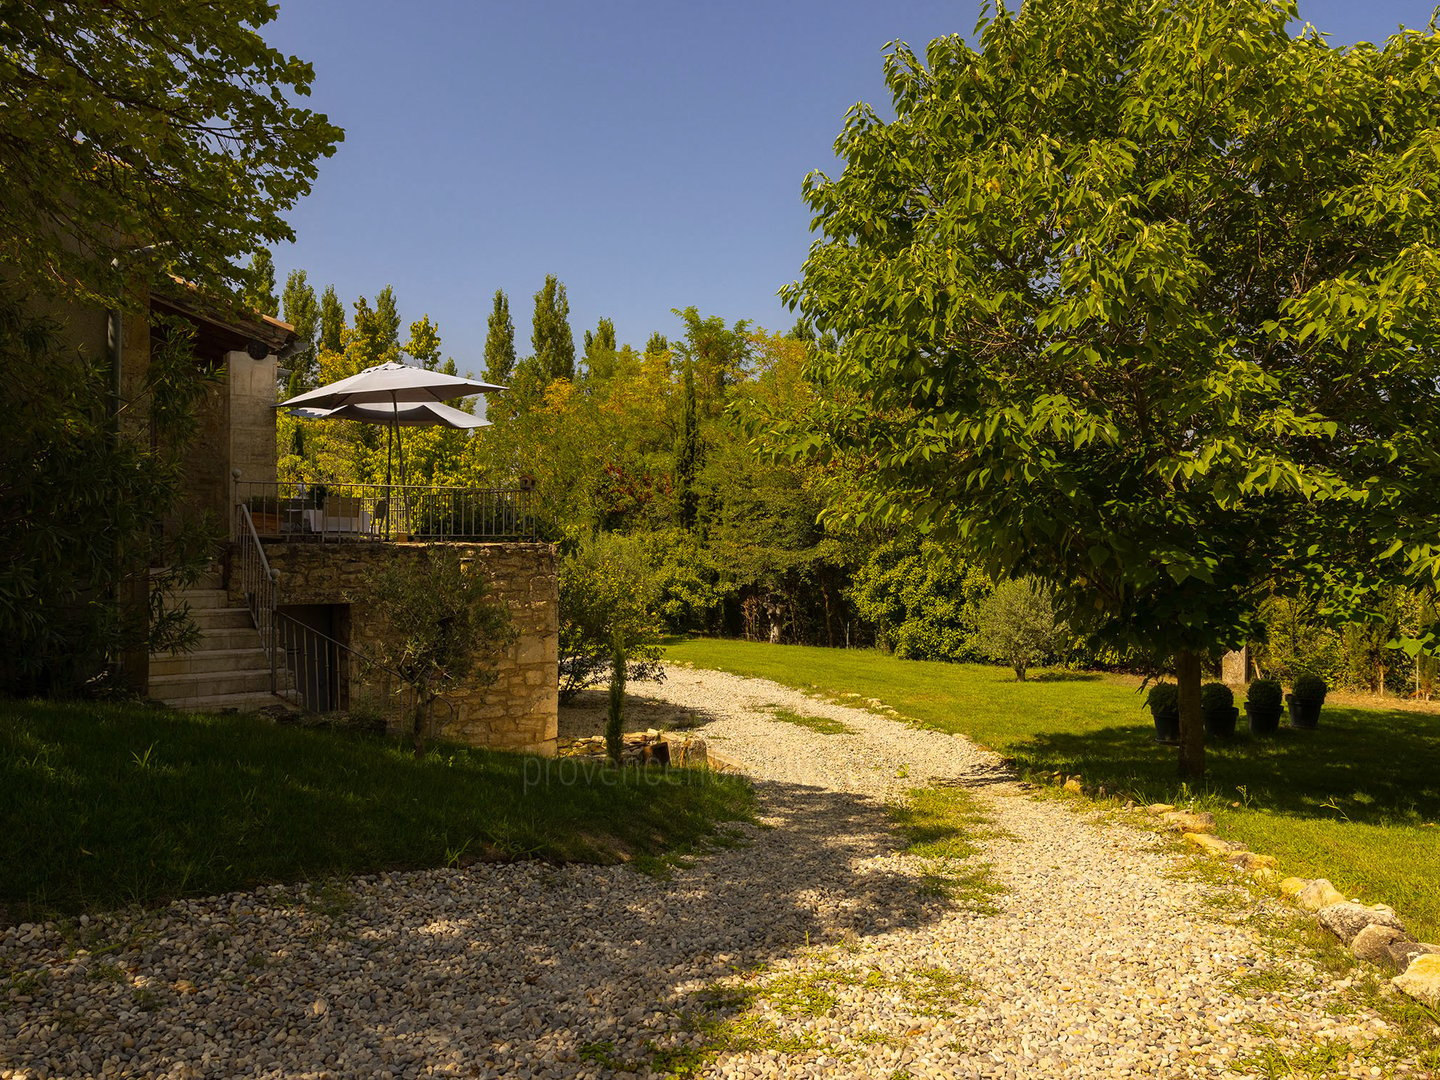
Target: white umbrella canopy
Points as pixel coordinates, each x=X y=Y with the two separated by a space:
x=393 y=383
x=405 y=414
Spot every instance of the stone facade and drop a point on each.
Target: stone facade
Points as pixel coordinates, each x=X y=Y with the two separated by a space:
x=519 y=711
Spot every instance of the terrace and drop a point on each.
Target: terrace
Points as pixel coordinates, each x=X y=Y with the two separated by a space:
x=328 y=513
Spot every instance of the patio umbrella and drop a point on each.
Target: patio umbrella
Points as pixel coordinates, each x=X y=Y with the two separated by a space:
x=386 y=394
x=405 y=414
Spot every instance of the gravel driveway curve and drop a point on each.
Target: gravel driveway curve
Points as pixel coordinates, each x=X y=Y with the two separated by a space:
x=813 y=948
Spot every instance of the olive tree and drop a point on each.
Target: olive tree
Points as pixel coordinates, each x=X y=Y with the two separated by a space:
x=1140 y=297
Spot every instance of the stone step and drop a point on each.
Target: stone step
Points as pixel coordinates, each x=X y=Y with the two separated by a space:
x=226 y=618
x=228 y=703
x=223 y=637
x=211 y=658
x=202 y=599
x=170 y=688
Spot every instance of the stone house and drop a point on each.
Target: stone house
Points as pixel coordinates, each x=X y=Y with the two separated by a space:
x=282 y=614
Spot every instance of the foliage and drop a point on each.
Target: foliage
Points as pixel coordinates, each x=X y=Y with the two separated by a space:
x=920 y=598
x=1216 y=699
x=553 y=340
x=302 y=311
x=442 y=626
x=615 y=717
x=200 y=805
x=1309 y=688
x=1163 y=699
x=148 y=137
x=258 y=293
x=1265 y=695
x=1143 y=306
x=332 y=321
x=600 y=350
x=1016 y=625
x=499 y=342
x=81 y=492
x=606 y=610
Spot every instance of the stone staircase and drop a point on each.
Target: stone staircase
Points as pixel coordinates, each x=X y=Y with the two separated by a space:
x=228 y=669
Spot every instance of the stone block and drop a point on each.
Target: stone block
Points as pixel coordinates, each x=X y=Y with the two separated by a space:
x=1372 y=944
x=1421 y=980
x=1319 y=894
x=1345 y=919
x=1185 y=821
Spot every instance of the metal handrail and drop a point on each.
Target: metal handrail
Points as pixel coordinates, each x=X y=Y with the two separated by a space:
x=258 y=583
x=331 y=512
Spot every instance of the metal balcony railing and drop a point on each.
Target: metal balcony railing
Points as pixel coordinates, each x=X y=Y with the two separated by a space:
x=334 y=512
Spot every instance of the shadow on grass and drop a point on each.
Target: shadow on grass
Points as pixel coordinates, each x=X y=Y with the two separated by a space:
x=1371 y=766
x=1059 y=676
x=524 y=962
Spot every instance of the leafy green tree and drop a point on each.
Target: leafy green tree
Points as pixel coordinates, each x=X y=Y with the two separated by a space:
x=1016 y=625
x=920 y=598
x=606 y=609
x=258 y=293
x=424 y=343
x=142 y=138
x=1140 y=300
x=719 y=354
x=553 y=341
x=80 y=504
x=303 y=313
x=600 y=350
x=443 y=627
x=387 y=320
x=657 y=343
x=687 y=452
x=500 y=342
x=332 y=321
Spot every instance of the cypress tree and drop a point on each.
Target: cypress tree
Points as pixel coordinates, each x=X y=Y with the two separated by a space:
x=687 y=452
x=387 y=321
x=302 y=311
x=500 y=342
x=332 y=320
x=553 y=340
x=658 y=343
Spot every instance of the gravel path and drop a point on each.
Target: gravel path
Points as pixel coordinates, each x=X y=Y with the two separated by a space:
x=812 y=949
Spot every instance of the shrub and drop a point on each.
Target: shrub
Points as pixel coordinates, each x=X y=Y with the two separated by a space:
x=920 y=599
x=1163 y=699
x=606 y=603
x=1309 y=688
x=1216 y=697
x=1017 y=625
x=1265 y=694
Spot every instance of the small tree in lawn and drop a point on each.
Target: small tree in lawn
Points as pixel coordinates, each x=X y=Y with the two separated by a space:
x=1141 y=297
x=615 y=718
x=441 y=626
x=1017 y=625
x=607 y=609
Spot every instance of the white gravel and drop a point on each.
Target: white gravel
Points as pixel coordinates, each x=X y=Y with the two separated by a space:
x=1096 y=961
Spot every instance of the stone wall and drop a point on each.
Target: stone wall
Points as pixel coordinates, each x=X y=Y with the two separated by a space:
x=519 y=711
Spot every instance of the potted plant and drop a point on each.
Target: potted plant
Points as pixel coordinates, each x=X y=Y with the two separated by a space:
x=1217 y=708
x=1263 y=705
x=1305 y=699
x=1163 y=701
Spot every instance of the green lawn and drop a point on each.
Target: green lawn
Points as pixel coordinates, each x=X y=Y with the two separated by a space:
x=1356 y=800
x=108 y=804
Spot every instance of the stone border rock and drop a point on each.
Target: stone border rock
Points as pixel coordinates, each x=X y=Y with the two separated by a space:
x=1372 y=933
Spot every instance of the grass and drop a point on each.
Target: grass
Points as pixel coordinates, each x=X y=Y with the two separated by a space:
x=944 y=823
x=1357 y=800
x=113 y=804
x=821 y=725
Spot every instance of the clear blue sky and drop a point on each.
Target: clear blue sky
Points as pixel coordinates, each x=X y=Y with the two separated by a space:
x=648 y=152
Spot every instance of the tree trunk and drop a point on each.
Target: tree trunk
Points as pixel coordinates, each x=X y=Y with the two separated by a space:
x=1192 y=726
x=418 y=724
x=1019 y=672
